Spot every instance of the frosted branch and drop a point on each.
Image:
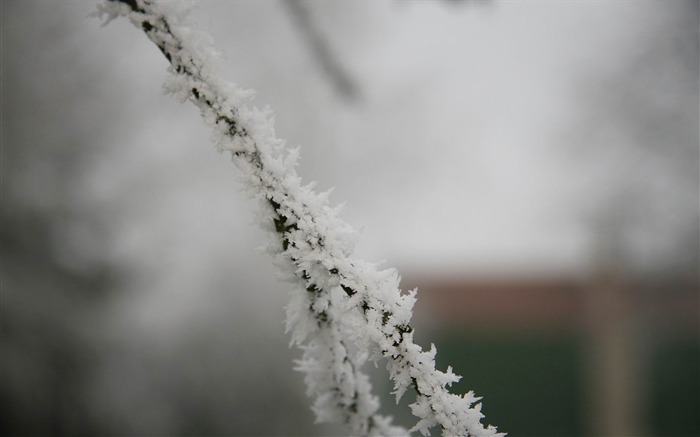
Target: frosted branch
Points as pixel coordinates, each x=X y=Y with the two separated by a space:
x=343 y=308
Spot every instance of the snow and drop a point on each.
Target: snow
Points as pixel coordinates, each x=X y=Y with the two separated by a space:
x=343 y=309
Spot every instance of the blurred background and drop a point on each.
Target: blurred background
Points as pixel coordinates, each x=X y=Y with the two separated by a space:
x=532 y=167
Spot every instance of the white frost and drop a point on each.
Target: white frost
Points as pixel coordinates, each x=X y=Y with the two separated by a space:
x=343 y=309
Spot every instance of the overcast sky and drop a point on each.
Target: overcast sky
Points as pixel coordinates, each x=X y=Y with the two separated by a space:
x=456 y=154
x=462 y=152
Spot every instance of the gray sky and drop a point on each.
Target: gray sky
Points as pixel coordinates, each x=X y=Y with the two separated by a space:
x=456 y=155
x=461 y=154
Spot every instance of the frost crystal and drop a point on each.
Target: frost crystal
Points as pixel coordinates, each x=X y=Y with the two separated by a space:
x=343 y=309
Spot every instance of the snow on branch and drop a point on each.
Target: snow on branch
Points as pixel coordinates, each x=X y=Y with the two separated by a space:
x=344 y=310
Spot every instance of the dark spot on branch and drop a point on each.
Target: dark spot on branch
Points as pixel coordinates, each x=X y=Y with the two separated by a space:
x=365 y=306
x=385 y=317
x=404 y=329
x=415 y=386
x=280 y=221
x=132 y=4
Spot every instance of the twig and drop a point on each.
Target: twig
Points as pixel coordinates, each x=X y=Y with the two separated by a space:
x=344 y=306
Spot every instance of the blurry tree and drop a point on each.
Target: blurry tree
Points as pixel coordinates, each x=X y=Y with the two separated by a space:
x=68 y=365
x=639 y=146
x=53 y=282
x=638 y=143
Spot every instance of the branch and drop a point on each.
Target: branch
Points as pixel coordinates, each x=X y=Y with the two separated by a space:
x=345 y=86
x=343 y=306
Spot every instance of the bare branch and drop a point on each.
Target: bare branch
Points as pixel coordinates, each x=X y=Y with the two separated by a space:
x=320 y=49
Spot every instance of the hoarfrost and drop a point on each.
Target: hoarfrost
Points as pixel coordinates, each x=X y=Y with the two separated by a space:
x=342 y=309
